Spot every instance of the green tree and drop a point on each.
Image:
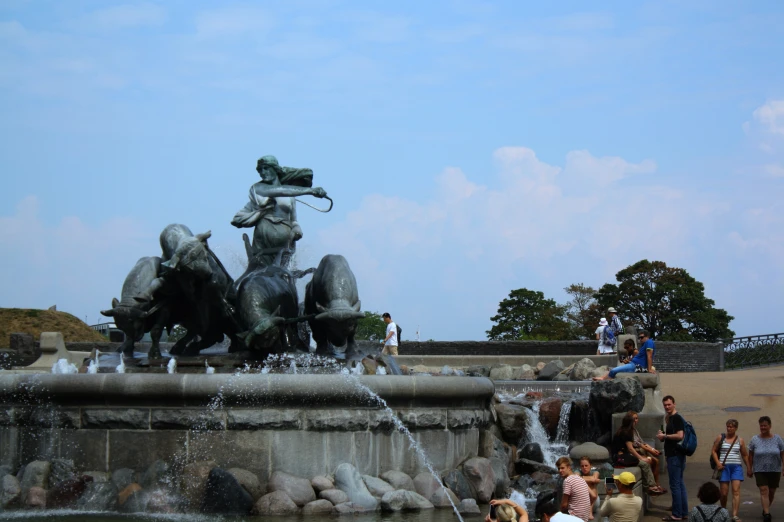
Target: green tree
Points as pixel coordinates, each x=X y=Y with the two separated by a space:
x=667 y=302
x=582 y=311
x=526 y=314
x=371 y=327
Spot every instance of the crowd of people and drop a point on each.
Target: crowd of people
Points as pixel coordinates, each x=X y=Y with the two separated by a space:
x=579 y=493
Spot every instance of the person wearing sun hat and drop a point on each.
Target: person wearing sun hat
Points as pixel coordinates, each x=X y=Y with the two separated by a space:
x=602 y=348
x=625 y=507
x=615 y=322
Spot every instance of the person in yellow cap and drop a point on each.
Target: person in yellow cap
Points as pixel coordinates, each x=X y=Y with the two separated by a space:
x=625 y=507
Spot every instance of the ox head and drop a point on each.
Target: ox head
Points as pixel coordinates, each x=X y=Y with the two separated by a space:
x=339 y=314
x=129 y=319
x=192 y=256
x=265 y=333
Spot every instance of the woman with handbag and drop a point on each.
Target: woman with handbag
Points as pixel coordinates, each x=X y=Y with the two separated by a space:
x=729 y=453
x=645 y=449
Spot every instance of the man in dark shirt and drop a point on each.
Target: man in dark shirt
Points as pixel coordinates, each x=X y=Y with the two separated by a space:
x=676 y=459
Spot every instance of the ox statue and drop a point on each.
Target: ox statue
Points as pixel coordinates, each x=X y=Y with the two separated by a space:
x=136 y=318
x=332 y=305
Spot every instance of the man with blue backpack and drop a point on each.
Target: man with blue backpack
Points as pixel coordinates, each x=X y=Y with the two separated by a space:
x=679 y=441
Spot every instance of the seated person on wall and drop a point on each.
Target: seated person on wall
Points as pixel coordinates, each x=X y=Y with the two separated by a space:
x=625 y=507
x=629 y=351
x=547 y=509
x=640 y=363
x=625 y=455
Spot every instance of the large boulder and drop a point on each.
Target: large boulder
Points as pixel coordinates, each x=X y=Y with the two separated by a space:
x=321 y=483
x=224 y=495
x=457 y=482
x=98 y=496
x=523 y=466
x=524 y=373
x=249 y=481
x=501 y=472
x=36 y=498
x=550 y=370
x=532 y=451
x=491 y=446
x=36 y=475
x=398 y=480
x=65 y=494
x=298 y=489
x=596 y=453
x=468 y=506
x=10 y=492
x=444 y=498
x=550 y=414
x=276 y=503
x=583 y=370
x=377 y=487
x=349 y=508
x=403 y=499
x=478 y=371
x=318 y=507
x=614 y=396
x=480 y=474
x=512 y=420
x=193 y=481
x=158 y=474
x=348 y=480
x=123 y=477
x=426 y=484
x=62 y=470
x=503 y=372
x=335 y=496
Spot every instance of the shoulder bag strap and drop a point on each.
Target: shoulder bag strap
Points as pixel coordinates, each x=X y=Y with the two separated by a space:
x=704 y=518
x=728 y=451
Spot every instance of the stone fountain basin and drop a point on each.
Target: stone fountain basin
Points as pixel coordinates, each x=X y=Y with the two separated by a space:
x=305 y=425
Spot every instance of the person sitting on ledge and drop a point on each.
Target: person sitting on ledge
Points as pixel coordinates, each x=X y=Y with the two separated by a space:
x=640 y=363
x=629 y=351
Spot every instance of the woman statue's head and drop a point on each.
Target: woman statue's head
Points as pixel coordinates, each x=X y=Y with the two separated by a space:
x=268 y=168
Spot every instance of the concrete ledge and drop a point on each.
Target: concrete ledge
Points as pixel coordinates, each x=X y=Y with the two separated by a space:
x=252 y=389
x=464 y=361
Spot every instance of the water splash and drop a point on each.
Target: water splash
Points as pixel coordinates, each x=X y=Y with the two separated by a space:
x=121 y=367
x=380 y=370
x=63 y=367
x=411 y=441
x=172 y=366
x=562 y=433
x=209 y=370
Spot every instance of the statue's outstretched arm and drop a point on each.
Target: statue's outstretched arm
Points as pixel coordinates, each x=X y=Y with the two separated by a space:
x=288 y=191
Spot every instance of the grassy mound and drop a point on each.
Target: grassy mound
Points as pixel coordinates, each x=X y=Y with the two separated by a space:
x=35 y=321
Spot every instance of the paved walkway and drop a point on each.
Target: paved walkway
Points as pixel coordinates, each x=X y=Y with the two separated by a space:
x=700 y=398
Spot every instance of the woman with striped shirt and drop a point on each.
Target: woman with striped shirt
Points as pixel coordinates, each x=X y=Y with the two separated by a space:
x=729 y=453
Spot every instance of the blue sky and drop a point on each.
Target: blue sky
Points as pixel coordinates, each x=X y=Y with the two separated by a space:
x=470 y=147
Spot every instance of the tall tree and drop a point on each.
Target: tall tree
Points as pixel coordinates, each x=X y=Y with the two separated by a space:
x=371 y=327
x=582 y=311
x=667 y=302
x=527 y=314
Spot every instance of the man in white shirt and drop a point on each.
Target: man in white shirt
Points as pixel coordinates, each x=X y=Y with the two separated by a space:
x=547 y=509
x=390 y=342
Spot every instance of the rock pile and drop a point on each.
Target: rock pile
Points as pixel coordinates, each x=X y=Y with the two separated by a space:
x=205 y=487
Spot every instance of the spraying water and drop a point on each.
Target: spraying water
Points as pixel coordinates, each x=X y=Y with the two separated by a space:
x=412 y=443
x=562 y=433
x=172 y=366
x=62 y=367
x=209 y=370
x=121 y=367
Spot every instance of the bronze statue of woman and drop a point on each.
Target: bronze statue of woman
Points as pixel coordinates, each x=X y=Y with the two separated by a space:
x=272 y=209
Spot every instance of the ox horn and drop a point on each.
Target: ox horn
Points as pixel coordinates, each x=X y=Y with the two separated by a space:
x=357 y=306
x=172 y=263
x=205 y=236
x=276 y=313
x=320 y=308
x=108 y=313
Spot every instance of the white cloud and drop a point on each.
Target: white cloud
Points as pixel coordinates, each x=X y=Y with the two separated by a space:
x=771 y=115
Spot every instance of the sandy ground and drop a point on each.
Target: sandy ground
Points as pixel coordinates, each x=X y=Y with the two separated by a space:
x=701 y=399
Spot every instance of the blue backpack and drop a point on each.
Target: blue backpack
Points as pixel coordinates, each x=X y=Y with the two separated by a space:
x=608 y=336
x=688 y=444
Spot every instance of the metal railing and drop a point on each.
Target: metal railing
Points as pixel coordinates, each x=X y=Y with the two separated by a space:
x=753 y=350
